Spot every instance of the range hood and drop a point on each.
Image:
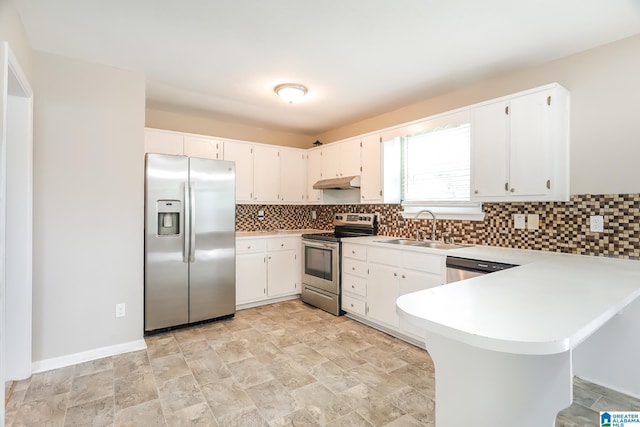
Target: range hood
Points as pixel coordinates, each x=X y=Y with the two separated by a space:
x=341 y=183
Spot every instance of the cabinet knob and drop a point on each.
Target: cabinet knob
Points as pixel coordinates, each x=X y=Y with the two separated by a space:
x=512 y=189
x=248 y=247
x=395 y=274
x=403 y=276
x=352 y=305
x=353 y=252
x=475 y=191
x=282 y=244
x=353 y=287
x=353 y=268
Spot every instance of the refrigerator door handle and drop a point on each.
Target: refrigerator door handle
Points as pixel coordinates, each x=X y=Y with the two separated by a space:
x=192 y=220
x=187 y=225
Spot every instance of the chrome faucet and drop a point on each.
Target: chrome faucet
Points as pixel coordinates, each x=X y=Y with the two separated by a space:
x=433 y=229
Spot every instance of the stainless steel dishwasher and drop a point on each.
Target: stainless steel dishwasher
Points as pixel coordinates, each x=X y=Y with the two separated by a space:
x=465 y=268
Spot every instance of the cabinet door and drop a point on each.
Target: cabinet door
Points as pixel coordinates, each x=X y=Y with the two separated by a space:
x=382 y=292
x=251 y=277
x=371 y=177
x=414 y=281
x=266 y=174
x=204 y=148
x=293 y=173
x=282 y=273
x=314 y=174
x=163 y=142
x=350 y=158
x=489 y=151
x=530 y=162
x=330 y=161
x=242 y=154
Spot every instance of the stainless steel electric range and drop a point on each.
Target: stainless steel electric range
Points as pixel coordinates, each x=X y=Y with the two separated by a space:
x=321 y=259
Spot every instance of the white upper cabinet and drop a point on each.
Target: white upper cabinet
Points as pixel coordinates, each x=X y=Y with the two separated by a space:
x=350 y=162
x=163 y=142
x=314 y=174
x=182 y=144
x=266 y=174
x=371 y=181
x=520 y=147
x=489 y=149
x=341 y=159
x=330 y=163
x=204 y=148
x=293 y=176
x=242 y=154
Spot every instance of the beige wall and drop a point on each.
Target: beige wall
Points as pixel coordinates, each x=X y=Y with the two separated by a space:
x=88 y=206
x=156 y=118
x=605 y=113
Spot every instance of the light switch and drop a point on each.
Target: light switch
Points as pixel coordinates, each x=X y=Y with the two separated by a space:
x=519 y=221
x=533 y=221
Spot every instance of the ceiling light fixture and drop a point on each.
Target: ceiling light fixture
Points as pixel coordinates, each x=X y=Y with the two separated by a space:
x=291 y=92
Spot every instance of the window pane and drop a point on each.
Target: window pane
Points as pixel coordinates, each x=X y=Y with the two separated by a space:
x=437 y=165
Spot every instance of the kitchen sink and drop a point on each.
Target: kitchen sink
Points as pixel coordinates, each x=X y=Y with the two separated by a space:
x=440 y=245
x=424 y=243
x=405 y=242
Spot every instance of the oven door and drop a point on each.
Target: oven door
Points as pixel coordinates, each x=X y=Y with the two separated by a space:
x=321 y=265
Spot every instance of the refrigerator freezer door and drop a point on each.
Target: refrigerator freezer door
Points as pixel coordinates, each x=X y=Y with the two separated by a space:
x=166 y=285
x=212 y=271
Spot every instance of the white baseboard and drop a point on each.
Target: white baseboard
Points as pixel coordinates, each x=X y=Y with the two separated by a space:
x=266 y=301
x=609 y=386
x=86 y=356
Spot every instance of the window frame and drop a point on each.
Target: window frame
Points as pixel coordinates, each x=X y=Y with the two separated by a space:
x=443 y=209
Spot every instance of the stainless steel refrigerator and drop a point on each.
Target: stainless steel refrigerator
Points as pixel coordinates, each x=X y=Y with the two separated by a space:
x=189 y=255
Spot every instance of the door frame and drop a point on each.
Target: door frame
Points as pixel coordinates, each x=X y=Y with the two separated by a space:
x=16 y=220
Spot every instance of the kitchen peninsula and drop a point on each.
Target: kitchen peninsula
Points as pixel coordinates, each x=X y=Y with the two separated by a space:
x=507 y=345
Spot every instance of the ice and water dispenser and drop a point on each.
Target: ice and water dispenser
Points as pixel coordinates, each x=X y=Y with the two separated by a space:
x=168 y=217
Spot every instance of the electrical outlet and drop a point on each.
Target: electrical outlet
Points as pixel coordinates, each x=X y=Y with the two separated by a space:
x=260 y=215
x=121 y=310
x=519 y=221
x=533 y=221
x=314 y=215
x=596 y=223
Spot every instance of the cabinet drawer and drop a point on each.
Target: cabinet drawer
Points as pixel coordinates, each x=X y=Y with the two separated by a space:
x=250 y=245
x=353 y=305
x=386 y=256
x=354 y=251
x=357 y=268
x=423 y=262
x=354 y=285
x=283 y=244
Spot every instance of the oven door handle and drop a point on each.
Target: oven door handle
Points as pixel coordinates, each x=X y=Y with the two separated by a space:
x=320 y=244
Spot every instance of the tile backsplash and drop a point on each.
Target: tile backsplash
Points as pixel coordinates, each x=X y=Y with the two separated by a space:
x=563 y=227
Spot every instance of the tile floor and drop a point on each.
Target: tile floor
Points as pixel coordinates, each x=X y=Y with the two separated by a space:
x=275 y=365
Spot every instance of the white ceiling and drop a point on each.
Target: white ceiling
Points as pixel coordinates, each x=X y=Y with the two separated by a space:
x=358 y=58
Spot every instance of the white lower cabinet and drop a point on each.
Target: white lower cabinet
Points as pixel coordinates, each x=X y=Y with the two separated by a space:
x=283 y=266
x=251 y=270
x=374 y=277
x=383 y=287
x=267 y=268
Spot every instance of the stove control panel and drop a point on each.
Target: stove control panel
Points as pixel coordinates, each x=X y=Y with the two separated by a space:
x=355 y=219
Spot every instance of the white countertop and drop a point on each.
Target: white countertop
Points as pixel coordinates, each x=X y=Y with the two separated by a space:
x=276 y=233
x=549 y=304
